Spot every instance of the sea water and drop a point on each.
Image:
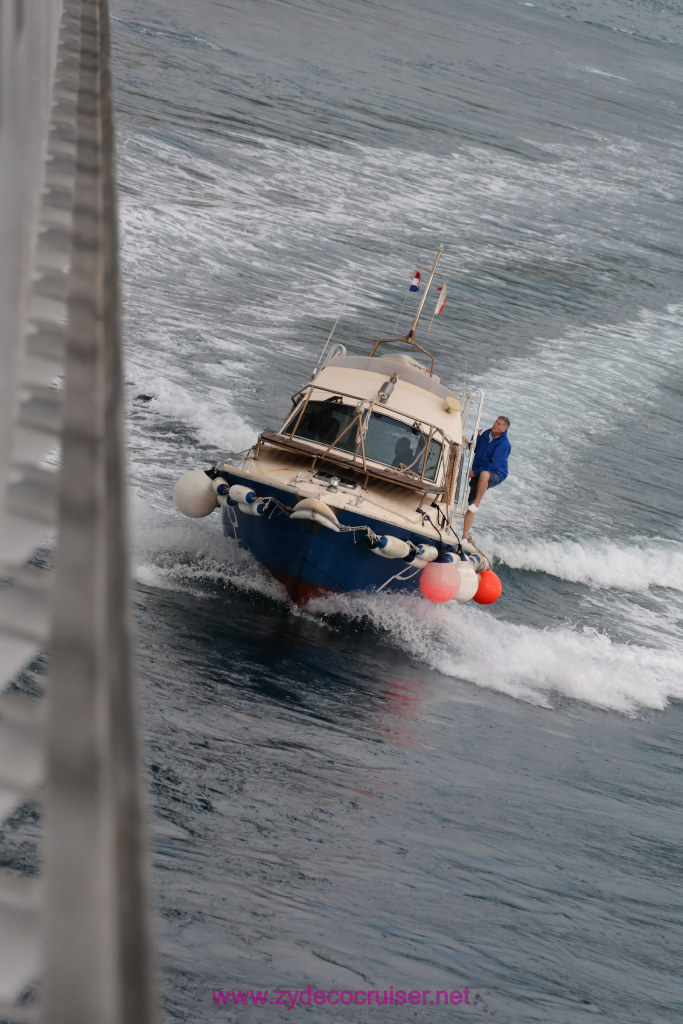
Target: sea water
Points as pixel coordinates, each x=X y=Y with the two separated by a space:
x=375 y=792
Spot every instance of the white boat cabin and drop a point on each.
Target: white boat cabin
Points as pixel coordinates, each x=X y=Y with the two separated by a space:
x=386 y=417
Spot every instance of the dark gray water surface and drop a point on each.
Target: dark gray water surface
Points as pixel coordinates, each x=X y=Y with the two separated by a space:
x=377 y=792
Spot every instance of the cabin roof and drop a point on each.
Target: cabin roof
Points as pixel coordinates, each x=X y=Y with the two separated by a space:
x=416 y=395
x=408 y=368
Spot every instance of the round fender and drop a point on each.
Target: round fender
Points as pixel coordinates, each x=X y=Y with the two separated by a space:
x=469 y=581
x=489 y=589
x=440 y=581
x=194 y=495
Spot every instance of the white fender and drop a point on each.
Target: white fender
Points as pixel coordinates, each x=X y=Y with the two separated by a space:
x=242 y=495
x=423 y=555
x=478 y=561
x=476 y=557
x=256 y=508
x=194 y=495
x=316 y=511
x=315 y=517
x=222 y=489
x=469 y=582
x=392 y=547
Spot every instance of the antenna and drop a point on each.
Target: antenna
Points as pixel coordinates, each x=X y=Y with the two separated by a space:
x=334 y=328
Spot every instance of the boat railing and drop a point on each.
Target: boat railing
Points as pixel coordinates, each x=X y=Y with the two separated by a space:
x=335 y=351
x=472 y=400
x=361 y=409
x=356 y=421
x=314 y=386
x=406 y=340
x=385 y=474
x=74 y=918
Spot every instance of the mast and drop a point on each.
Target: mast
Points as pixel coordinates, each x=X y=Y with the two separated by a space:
x=409 y=338
x=426 y=292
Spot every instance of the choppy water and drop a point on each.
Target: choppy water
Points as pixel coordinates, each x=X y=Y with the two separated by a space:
x=376 y=791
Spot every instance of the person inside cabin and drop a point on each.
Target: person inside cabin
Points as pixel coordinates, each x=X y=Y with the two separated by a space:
x=308 y=428
x=490 y=466
x=403 y=453
x=329 y=429
x=319 y=425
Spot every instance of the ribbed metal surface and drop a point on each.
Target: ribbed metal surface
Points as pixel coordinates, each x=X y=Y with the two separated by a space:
x=79 y=933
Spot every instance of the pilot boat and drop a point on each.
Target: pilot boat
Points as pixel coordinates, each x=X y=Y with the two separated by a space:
x=363 y=486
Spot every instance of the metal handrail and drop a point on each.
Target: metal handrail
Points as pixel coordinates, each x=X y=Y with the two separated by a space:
x=466 y=462
x=82 y=939
x=387 y=474
x=358 y=419
x=406 y=340
x=313 y=386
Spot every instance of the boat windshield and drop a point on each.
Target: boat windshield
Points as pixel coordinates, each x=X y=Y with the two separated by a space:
x=387 y=440
x=323 y=422
x=401 y=444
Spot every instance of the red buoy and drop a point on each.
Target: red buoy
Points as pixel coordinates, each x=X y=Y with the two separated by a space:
x=490 y=588
x=440 y=581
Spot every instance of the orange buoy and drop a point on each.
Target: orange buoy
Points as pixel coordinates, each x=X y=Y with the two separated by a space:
x=490 y=588
x=440 y=581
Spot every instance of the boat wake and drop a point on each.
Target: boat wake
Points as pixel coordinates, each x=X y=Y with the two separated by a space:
x=597 y=562
x=187 y=558
x=541 y=666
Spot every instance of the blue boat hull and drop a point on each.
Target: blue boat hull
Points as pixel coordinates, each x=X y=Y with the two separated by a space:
x=311 y=560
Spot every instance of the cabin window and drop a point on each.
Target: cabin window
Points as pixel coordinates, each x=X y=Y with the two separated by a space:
x=387 y=440
x=395 y=443
x=323 y=422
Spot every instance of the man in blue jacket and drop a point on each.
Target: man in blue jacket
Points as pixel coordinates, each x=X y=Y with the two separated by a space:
x=490 y=466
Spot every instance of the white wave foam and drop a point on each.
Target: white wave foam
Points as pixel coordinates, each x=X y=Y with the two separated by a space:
x=467 y=643
x=209 y=247
x=528 y=664
x=598 y=71
x=208 y=250
x=561 y=417
x=596 y=562
x=194 y=222
x=191 y=555
x=214 y=421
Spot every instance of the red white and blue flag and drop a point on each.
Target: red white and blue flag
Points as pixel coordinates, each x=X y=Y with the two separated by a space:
x=441 y=302
x=415 y=286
